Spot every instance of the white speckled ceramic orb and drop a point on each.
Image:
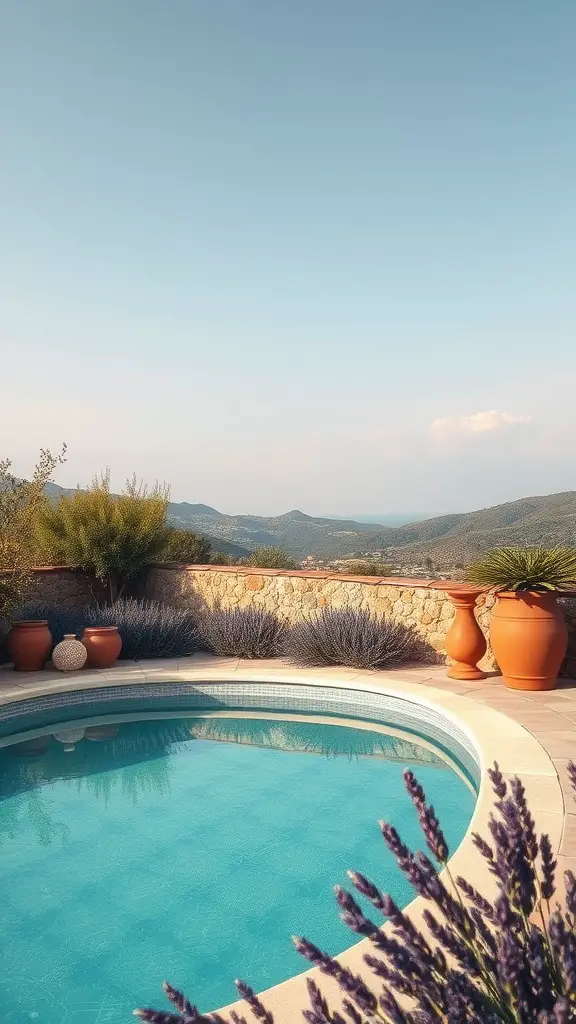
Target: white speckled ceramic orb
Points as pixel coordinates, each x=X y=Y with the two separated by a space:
x=69 y=655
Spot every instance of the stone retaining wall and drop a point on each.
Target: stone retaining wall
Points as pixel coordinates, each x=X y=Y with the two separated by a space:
x=56 y=584
x=423 y=604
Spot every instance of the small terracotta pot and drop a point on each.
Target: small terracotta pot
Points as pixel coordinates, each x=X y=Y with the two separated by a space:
x=103 y=644
x=30 y=644
x=101 y=732
x=529 y=639
x=31 y=748
x=465 y=642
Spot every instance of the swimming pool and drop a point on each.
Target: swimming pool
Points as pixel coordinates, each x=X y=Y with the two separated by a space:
x=190 y=843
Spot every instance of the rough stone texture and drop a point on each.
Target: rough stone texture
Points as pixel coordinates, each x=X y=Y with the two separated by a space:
x=64 y=586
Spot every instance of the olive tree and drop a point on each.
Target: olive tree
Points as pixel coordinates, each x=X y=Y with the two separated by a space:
x=113 y=537
x=20 y=502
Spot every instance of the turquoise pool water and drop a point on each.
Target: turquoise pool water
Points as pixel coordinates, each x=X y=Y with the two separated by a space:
x=191 y=849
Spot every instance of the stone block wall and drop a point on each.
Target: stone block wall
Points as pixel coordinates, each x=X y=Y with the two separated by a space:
x=423 y=604
x=55 y=584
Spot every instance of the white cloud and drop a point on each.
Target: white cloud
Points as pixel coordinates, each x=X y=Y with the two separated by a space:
x=478 y=422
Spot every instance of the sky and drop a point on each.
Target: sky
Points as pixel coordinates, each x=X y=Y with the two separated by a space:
x=315 y=255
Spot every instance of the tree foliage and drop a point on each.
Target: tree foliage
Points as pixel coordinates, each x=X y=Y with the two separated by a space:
x=224 y=558
x=367 y=568
x=271 y=558
x=112 y=537
x=20 y=502
x=187 y=546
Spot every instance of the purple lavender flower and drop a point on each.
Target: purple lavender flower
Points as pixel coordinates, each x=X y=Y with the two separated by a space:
x=572 y=773
x=248 y=995
x=548 y=868
x=497 y=780
x=429 y=823
x=570 y=886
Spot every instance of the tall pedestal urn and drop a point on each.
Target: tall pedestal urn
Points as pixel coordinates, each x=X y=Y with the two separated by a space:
x=465 y=641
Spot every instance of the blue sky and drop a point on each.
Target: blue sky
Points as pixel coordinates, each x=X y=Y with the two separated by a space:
x=308 y=254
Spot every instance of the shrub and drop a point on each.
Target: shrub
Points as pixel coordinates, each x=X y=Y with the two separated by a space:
x=20 y=502
x=112 y=537
x=242 y=633
x=148 y=629
x=224 y=558
x=355 y=638
x=186 y=546
x=271 y=558
x=61 y=620
x=480 y=961
x=367 y=568
x=526 y=569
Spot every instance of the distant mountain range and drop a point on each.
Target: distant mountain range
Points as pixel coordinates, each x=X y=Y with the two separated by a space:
x=385 y=519
x=447 y=540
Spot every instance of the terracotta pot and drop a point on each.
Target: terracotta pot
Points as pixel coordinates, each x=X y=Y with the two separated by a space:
x=101 y=732
x=103 y=645
x=465 y=642
x=29 y=645
x=31 y=748
x=529 y=639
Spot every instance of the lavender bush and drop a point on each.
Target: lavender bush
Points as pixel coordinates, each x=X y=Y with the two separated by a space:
x=242 y=633
x=355 y=638
x=148 y=629
x=510 y=959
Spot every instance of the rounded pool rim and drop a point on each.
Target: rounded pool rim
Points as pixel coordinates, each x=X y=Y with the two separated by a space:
x=489 y=736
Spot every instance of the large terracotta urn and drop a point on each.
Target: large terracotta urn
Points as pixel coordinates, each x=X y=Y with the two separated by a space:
x=529 y=638
x=29 y=644
x=103 y=644
x=465 y=642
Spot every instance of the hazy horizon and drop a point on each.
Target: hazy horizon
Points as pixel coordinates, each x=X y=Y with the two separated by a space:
x=291 y=255
x=384 y=518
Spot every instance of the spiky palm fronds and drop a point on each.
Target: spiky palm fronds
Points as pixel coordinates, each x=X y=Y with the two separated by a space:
x=526 y=569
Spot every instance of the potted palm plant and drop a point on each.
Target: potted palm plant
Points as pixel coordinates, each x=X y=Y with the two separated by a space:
x=527 y=630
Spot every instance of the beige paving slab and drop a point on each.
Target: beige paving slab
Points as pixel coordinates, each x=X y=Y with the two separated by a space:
x=568 y=841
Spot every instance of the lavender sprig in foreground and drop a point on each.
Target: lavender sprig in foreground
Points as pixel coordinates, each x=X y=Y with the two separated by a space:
x=497 y=960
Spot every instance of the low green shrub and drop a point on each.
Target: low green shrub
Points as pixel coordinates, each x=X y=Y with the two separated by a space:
x=186 y=546
x=271 y=558
x=367 y=568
